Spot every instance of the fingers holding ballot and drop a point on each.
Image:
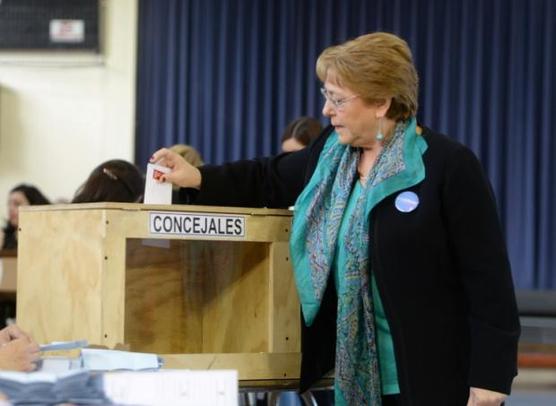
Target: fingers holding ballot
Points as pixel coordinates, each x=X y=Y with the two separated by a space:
x=181 y=173
x=18 y=351
x=10 y=333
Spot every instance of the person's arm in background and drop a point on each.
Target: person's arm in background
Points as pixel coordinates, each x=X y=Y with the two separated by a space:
x=18 y=351
x=480 y=253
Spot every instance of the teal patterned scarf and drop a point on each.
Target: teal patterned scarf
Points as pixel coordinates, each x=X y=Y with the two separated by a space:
x=317 y=218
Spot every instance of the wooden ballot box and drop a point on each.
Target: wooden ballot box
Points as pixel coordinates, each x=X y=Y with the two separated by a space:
x=206 y=287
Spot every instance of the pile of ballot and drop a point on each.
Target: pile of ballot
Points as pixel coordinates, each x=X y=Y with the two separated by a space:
x=103 y=377
x=46 y=388
x=77 y=380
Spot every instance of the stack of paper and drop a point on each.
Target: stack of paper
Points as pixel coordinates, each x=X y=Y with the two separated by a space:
x=81 y=388
x=172 y=387
x=51 y=388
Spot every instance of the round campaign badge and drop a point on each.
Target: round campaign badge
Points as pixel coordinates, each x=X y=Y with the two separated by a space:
x=407 y=201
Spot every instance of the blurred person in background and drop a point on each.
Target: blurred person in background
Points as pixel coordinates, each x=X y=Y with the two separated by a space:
x=21 y=195
x=300 y=133
x=115 y=180
x=188 y=153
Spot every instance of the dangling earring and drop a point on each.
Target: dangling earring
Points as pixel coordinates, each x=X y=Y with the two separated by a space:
x=379 y=135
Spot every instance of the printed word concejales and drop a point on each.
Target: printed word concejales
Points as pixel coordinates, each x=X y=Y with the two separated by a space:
x=196 y=224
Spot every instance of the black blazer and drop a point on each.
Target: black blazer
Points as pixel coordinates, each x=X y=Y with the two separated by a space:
x=442 y=270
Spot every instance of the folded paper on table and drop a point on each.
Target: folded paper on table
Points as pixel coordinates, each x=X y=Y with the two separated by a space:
x=63 y=345
x=108 y=360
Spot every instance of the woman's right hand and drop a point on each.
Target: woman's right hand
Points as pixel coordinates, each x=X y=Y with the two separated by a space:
x=182 y=173
x=20 y=354
x=12 y=332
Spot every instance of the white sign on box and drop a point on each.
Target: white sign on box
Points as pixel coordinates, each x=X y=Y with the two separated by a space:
x=155 y=191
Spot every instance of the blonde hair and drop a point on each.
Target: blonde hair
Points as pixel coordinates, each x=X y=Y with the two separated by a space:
x=188 y=153
x=377 y=67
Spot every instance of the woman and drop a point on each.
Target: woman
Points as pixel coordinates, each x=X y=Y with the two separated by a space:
x=21 y=195
x=189 y=153
x=397 y=250
x=112 y=181
x=300 y=133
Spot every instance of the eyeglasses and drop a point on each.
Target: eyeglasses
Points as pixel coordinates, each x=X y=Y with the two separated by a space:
x=338 y=104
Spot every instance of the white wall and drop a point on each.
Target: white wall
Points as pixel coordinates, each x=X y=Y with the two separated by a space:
x=62 y=114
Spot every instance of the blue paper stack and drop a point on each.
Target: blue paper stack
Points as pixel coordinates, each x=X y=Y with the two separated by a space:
x=42 y=388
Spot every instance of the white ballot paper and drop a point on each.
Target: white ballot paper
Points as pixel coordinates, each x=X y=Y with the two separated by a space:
x=156 y=192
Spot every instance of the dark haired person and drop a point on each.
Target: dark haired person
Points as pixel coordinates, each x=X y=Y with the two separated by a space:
x=21 y=195
x=112 y=181
x=300 y=133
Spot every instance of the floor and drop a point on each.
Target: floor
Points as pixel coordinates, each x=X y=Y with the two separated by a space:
x=534 y=387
